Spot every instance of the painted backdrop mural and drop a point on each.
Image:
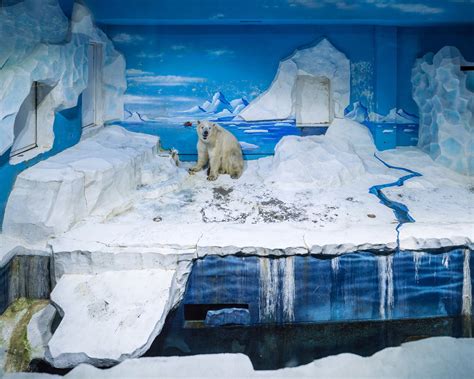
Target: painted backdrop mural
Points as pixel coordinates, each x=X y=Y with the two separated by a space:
x=178 y=74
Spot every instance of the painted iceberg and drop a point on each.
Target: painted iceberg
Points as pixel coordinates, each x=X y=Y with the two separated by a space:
x=322 y=61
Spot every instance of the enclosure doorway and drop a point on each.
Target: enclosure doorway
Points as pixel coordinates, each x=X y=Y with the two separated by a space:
x=91 y=95
x=25 y=128
x=311 y=98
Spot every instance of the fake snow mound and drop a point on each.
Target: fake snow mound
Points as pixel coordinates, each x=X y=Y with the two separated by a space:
x=433 y=358
x=52 y=53
x=322 y=60
x=325 y=161
x=446 y=109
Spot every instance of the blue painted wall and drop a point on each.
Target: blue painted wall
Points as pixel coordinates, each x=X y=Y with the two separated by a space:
x=385 y=41
x=67 y=132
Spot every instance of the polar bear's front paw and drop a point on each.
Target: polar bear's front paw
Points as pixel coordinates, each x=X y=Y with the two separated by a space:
x=192 y=171
x=211 y=177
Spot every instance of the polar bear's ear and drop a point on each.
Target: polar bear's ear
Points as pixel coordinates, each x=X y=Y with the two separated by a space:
x=199 y=122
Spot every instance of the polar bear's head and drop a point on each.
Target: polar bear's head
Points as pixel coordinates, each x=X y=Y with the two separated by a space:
x=205 y=130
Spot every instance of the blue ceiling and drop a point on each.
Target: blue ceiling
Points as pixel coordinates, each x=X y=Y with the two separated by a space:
x=192 y=12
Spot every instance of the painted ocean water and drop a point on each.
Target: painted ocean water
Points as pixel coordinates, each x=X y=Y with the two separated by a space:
x=258 y=139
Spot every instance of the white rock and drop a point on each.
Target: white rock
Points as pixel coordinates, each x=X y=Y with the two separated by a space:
x=321 y=60
x=39 y=331
x=109 y=317
x=446 y=108
x=95 y=176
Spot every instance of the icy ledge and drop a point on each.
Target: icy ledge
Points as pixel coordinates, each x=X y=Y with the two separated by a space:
x=95 y=248
x=94 y=177
x=112 y=316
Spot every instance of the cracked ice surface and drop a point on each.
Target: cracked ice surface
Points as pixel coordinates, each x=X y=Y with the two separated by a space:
x=446 y=109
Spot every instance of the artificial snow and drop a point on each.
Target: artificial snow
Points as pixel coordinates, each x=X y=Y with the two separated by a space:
x=321 y=60
x=53 y=54
x=446 y=109
x=321 y=161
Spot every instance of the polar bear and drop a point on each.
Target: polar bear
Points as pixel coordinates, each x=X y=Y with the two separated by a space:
x=220 y=148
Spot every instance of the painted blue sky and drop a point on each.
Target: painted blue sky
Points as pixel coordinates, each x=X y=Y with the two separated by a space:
x=374 y=12
x=168 y=72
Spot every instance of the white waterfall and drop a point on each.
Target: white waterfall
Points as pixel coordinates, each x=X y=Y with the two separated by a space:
x=417 y=258
x=445 y=261
x=277 y=286
x=268 y=289
x=335 y=265
x=387 y=298
x=466 y=286
x=288 y=288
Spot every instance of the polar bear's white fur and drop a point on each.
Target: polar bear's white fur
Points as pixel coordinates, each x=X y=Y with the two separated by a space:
x=218 y=147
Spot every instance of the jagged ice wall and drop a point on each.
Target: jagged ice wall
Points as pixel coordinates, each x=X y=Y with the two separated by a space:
x=446 y=108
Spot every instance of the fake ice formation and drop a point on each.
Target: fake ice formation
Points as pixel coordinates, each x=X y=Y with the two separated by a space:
x=54 y=54
x=446 y=109
x=96 y=176
x=322 y=60
x=325 y=161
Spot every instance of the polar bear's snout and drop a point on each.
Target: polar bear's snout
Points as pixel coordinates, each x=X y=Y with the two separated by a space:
x=204 y=130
